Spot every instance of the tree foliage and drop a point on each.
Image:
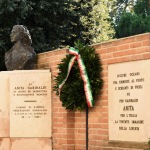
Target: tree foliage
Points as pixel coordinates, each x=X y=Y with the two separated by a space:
x=137 y=22
x=120 y=6
x=47 y=20
x=98 y=21
x=54 y=24
x=142 y=8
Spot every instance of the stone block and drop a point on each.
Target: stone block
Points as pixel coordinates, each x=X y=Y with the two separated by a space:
x=129 y=101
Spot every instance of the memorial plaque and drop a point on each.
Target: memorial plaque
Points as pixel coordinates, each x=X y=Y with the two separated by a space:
x=129 y=101
x=30 y=104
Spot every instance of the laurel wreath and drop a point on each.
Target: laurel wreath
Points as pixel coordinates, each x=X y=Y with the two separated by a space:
x=72 y=93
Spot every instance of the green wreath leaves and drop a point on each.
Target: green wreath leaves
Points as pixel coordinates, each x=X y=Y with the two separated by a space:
x=72 y=94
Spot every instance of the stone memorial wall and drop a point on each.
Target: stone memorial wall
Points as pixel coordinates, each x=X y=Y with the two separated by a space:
x=120 y=118
x=25 y=110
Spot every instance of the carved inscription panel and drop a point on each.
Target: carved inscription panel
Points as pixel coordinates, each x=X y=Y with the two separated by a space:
x=129 y=101
x=30 y=104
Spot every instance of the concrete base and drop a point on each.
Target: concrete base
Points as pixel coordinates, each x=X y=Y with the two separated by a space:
x=25 y=144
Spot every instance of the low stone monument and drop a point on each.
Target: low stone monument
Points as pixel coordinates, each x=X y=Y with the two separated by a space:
x=25 y=99
x=21 y=56
x=25 y=110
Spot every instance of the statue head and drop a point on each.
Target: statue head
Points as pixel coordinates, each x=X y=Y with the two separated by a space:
x=21 y=56
x=20 y=33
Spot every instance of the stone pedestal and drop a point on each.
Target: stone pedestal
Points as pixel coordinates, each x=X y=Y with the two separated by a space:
x=4 y=105
x=25 y=110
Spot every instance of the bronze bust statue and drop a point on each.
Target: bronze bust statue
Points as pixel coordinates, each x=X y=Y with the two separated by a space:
x=21 y=56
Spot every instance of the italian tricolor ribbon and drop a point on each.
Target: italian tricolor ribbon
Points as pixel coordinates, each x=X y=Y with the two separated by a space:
x=83 y=72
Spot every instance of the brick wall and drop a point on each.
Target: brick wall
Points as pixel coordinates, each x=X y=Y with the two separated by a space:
x=69 y=127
